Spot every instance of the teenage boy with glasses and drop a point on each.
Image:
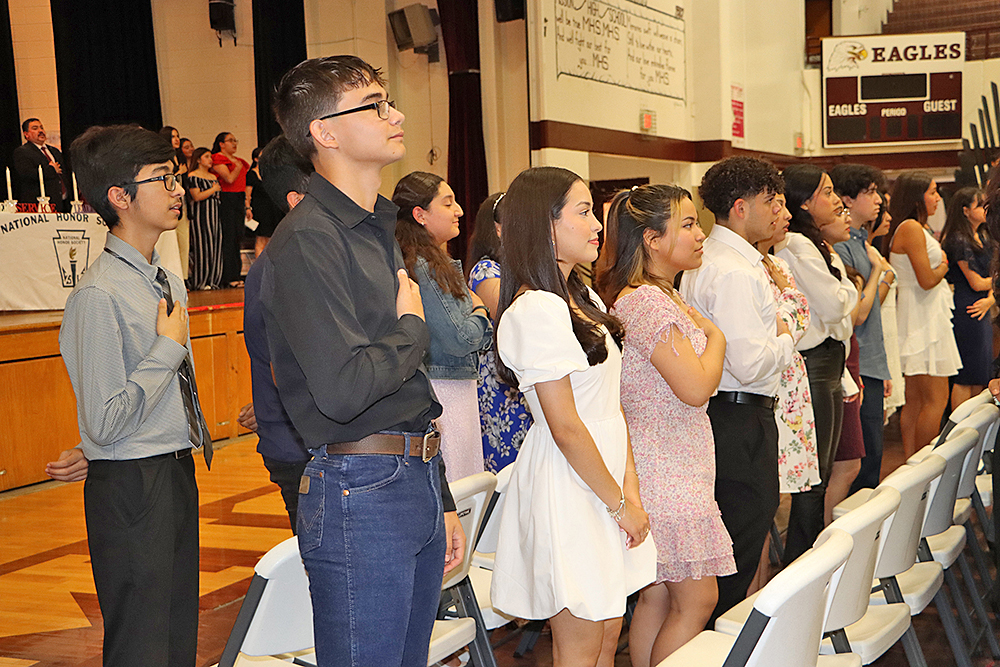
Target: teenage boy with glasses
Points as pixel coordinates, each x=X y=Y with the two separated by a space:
x=858 y=186
x=347 y=338
x=126 y=346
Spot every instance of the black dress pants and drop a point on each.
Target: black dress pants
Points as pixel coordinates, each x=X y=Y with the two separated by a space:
x=746 y=489
x=142 y=526
x=825 y=367
x=232 y=213
x=287 y=476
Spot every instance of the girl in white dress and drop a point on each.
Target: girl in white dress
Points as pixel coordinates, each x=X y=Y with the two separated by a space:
x=895 y=389
x=573 y=534
x=927 y=349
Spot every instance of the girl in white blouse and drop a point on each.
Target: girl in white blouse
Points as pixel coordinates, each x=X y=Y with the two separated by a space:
x=820 y=275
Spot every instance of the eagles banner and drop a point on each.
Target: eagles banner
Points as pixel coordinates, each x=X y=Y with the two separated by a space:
x=892 y=89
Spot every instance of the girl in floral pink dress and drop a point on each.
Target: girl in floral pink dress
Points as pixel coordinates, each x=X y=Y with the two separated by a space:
x=798 y=461
x=671 y=366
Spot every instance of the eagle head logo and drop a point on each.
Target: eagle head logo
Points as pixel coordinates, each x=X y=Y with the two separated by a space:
x=846 y=56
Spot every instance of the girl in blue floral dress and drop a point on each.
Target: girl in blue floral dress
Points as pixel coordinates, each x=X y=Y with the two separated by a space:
x=503 y=414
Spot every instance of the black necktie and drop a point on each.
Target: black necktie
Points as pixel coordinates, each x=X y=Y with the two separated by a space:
x=52 y=160
x=197 y=427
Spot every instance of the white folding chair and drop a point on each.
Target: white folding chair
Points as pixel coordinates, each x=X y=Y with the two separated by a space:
x=985 y=419
x=898 y=547
x=982 y=496
x=472 y=496
x=276 y=619
x=922 y=582
x=785 y=625
x=964 y=409
x=852 y=625
x=944 y=543
x=481 y=572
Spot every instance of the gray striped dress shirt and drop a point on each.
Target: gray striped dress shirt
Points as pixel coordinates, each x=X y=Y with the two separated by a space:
x=128 y=396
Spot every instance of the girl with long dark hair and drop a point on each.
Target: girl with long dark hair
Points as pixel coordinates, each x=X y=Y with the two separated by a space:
x=671 y=365
x=458 y=322
x=265 y=212
x=970 y=252
x=820 y=275
x=572 y=543
x=180 y=170
x=503 y=414
x=205 y=256
x=927 y=349
x=234 y=205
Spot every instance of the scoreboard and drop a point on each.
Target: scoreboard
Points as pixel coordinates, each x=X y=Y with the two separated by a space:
x=892 y=89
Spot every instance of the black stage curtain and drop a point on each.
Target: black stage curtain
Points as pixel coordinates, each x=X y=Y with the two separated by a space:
x=278 y=45
x=10 y=121
x=466 y=147
x=105 y=65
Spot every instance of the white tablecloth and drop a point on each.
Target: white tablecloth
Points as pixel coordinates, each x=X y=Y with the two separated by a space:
x=43 y=255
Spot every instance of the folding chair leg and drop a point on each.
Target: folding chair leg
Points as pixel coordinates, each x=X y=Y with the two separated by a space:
x=981 y=612
x=951 y=581
x=468 y=607
x=911 y=643
x=532 y=631
x=978 y=555
x=951 y=629
x=777 y=549
x=841 y=644
x=983 y=516
x=242 y=624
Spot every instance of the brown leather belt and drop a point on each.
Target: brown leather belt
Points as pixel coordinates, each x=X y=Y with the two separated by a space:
x=424 y=445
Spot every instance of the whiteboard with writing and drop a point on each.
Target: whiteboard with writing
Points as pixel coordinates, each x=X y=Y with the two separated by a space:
x=602 y=62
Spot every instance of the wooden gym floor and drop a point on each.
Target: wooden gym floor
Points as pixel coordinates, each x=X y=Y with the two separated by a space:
x=49 y=615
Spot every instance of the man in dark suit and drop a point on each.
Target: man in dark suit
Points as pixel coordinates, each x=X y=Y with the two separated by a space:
x=35 y=153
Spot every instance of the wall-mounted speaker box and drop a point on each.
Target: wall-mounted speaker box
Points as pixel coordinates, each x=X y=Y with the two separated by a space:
x=509 y=10
x=413 y=27
x=222 y=15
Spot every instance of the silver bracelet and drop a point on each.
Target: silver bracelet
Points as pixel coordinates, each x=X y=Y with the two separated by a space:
x=618 y=513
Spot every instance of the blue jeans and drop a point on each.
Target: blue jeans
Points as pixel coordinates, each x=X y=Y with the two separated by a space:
x=371 y=534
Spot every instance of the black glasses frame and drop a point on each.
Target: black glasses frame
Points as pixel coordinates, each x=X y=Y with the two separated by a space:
x=169 y=187
x=381 y=107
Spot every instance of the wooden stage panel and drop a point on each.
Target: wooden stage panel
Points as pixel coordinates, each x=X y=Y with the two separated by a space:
x=38 y=413
x=37 y=405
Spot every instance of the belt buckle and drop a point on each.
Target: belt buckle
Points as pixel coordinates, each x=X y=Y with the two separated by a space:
x=424 y=445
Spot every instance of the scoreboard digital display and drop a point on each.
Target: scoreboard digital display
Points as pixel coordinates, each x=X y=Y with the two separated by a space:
x=892 y=89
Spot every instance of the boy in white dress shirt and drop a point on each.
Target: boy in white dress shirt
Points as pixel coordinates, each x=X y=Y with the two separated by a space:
x=731 y=288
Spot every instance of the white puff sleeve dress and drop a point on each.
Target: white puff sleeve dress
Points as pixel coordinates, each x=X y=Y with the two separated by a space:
x=558 y=547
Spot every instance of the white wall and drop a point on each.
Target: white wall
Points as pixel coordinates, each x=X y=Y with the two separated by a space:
x=35 y=64
x=770 y=66
x=205 y=88
x=976 y=79
x=859 y=17
x=419 y=87
x=504 y=68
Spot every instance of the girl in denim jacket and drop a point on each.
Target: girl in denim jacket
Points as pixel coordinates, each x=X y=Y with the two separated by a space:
x=458 y=321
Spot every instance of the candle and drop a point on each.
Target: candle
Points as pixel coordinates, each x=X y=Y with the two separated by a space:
x=41 y=181
x=10 y=192
x=76 y=195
